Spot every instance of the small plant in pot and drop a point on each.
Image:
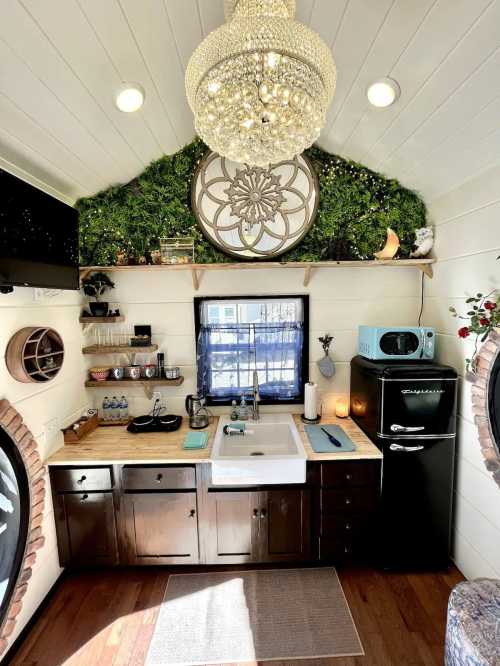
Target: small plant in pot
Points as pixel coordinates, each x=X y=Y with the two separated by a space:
x=96 y=285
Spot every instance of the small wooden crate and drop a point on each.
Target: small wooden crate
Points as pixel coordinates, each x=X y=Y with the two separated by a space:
x=86 y=425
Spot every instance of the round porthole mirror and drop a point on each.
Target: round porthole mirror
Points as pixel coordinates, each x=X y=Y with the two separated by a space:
x=251 y=212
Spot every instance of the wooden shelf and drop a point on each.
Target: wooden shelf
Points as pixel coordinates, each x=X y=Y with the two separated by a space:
x=128 y=349
x=101 y=320
x=197 y=270
x=147 y=384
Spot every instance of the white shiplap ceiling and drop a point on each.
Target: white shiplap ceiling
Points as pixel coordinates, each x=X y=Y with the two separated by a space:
x=62 y=60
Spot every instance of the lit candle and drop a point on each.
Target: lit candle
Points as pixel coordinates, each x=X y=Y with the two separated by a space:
x=342 y=408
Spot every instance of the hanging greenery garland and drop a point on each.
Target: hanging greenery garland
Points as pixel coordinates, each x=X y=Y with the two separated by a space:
x=356 y=205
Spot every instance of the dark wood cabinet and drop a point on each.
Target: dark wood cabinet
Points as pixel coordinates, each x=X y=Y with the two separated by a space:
x=162 y=528
x=86 y=529
x=258 y=526
x=286 y=525
x=233 y=527
x=346 y=500
x=171 y=514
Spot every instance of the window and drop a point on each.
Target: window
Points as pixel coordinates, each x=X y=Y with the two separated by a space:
x=236 y=336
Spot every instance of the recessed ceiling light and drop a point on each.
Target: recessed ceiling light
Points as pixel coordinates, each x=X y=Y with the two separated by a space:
x=129 y=97
x=383 y=92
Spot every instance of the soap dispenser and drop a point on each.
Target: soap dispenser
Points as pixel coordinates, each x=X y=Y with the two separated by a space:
x=243 y=410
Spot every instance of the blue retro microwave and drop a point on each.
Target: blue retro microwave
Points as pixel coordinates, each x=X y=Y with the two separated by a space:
x=396 y=343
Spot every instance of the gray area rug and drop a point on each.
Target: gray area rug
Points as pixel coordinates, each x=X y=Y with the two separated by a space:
x=219 y=618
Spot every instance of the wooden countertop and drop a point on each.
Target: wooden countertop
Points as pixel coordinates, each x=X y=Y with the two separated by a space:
x=114 y=445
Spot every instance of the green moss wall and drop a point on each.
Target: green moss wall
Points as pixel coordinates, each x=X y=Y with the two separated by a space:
x=356 y=206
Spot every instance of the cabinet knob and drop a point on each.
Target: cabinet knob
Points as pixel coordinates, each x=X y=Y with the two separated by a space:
x=263 y=513
x=347 y=550
x=82 y=479
x=159 y=478
x=192 y=513
x=255 y=514
x=348 y=526
x=348 y=501
x=83 y=497
x=348 y=477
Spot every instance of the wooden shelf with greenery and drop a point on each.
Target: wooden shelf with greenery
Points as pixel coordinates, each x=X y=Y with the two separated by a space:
x=197 y=270
x=147 y=384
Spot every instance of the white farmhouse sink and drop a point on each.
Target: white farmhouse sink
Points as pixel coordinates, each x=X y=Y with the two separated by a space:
x=274 y=454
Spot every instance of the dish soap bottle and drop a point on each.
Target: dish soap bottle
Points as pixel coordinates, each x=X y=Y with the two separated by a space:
x=243 y=410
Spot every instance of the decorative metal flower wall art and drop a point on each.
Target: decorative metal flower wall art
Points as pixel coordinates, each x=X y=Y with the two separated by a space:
x=253 y=212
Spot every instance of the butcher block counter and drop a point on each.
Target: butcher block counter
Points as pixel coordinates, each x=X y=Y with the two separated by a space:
x=114 y=445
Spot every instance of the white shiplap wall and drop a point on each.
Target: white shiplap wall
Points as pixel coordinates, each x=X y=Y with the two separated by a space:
x=467 y=244
x=340 y=300
x=63 y=399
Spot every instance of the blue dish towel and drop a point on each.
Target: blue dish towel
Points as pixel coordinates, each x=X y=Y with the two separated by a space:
x=195 y=440
x=320 y=442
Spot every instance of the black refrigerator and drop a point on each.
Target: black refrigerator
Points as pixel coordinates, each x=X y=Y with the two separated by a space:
x=408 y=409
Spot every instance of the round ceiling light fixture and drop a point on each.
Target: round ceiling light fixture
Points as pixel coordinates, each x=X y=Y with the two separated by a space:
x=130 y=97
x=260 y=85
x=383 y=92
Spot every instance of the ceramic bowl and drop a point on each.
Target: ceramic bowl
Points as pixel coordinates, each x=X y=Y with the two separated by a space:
x=99 y=374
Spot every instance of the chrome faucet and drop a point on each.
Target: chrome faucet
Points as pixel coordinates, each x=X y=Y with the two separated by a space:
x=255 y=397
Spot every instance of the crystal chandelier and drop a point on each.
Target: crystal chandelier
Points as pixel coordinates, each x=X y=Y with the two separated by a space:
x=260 y=85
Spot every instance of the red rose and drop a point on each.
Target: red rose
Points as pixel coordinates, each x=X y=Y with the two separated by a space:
x=489 y=305
x=464 y=332
x=484 y=321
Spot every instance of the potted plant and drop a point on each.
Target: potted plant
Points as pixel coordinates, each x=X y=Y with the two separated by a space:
x=96 y=285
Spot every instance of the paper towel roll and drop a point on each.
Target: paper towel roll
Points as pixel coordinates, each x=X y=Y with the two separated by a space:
x=311 y=401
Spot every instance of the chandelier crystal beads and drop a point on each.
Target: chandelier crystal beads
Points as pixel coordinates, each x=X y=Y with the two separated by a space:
x=260 y=85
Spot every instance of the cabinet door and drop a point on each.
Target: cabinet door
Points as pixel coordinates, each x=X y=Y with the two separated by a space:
x=86 y=529
x=162 y=528
x=233 y=527
x=285 y=525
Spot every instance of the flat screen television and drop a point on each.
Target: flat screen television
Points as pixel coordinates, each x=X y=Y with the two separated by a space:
x=38 y=237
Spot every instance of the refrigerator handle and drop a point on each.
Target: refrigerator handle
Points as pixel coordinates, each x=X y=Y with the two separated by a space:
x=406 y=449
x=395 y=427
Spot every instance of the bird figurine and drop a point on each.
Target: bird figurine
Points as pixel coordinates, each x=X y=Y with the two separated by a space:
x=391 y=246
x=424 y=242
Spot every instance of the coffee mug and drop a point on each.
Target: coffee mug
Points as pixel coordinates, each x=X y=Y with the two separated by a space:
x=133 y=372
x=117 y=373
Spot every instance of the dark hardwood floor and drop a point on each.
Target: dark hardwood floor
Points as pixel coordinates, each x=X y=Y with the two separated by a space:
x=106 y=618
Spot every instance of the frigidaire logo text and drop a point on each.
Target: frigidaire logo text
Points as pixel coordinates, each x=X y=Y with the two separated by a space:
x=422 y=391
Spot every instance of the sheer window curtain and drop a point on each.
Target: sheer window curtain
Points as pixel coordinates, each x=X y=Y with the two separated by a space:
x=228 y=354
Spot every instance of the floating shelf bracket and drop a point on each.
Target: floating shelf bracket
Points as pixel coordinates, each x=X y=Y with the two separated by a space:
x=307 y=275
x=427 y=270
x=196 y=275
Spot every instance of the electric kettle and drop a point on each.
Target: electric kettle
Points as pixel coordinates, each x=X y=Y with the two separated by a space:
x=197 y=412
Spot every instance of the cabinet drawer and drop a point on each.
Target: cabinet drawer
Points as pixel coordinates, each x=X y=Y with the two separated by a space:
x=347 y=474
x=159 y=478
x=343 y=526
x=337 y=549
x=81 y=479
x=347 y=500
